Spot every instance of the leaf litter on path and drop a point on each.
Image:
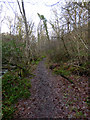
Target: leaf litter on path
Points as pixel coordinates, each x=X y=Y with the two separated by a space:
x=54 y=97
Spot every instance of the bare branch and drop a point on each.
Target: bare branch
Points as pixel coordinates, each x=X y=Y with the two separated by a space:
x=19 y=8
x=53 y=4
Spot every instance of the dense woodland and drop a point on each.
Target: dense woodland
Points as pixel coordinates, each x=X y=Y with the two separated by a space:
x=65 y=48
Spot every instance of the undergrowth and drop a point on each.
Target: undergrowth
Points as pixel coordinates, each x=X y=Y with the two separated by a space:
x=16 y=84
x=61 y=71
x=69 y=68
x=14 y=87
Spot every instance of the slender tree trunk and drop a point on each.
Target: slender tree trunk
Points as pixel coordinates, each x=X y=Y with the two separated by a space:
x=28 y=50
x=65 y=47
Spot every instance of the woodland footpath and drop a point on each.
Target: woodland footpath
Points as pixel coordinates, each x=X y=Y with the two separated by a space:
x=53 y=96
x=46 y=75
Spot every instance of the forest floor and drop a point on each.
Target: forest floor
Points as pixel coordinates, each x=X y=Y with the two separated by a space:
x=53 y=96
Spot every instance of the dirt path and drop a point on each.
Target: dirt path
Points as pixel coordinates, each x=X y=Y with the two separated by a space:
x=46 y=100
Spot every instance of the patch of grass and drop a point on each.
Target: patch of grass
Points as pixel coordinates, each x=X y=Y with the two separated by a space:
x=43 y=56
x=14 y=88
x=61 y=71
x=35 y=62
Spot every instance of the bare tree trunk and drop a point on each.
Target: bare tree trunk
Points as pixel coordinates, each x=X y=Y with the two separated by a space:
x=65 y=45
x=26 y=27
x=25 y=21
